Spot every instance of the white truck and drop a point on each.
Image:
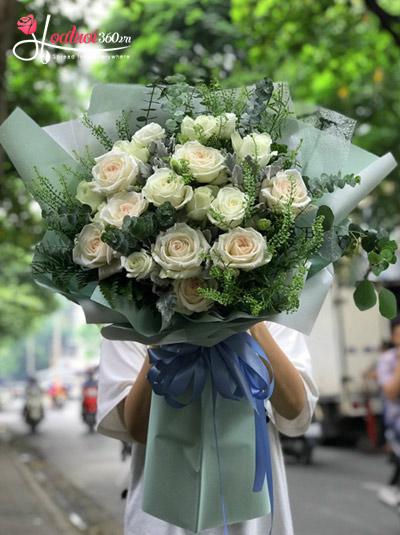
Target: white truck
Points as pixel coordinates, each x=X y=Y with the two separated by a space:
x=344 y=344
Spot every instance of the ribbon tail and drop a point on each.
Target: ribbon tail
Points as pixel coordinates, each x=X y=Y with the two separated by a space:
x=263 y=456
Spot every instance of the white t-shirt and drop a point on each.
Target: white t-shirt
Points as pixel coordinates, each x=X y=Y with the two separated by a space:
x=119 y=366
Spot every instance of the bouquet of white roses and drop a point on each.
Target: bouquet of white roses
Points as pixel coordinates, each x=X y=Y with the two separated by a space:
x=182 y=220
x=205 y=220
x=222 y=207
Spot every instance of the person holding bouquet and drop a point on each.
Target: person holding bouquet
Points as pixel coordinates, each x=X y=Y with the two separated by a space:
x=185 y=217
x=124 y=406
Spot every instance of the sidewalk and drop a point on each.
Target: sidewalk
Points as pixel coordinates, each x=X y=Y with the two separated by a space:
x=25 y=508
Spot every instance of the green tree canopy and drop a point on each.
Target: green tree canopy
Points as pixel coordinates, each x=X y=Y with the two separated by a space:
x=343 y=55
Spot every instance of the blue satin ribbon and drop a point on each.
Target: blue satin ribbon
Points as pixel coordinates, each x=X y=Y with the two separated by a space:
x=179 y=372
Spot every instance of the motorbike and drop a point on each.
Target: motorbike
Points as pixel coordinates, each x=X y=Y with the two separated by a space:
x=89 y=407
x=33 y=412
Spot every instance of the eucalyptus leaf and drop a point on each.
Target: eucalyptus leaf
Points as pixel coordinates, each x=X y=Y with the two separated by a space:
x=369 y=241
x=387 y=304
x=328 y=216
x=365 y=295
x=237 y=176
x=330 y=249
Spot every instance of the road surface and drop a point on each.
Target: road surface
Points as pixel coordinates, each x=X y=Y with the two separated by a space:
x=334 y=496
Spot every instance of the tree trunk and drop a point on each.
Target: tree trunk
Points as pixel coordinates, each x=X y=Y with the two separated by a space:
x=8 y=20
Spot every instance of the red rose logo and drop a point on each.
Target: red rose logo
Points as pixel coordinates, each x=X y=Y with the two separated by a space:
x=27 y=24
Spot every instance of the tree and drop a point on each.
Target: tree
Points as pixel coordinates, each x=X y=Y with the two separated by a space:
x=191 y=37
x=339 y=54
x=34 y=87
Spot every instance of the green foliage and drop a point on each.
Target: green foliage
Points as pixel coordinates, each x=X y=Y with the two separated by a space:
x=319 y=48
x=37 y=89
x=166 y=215
x=228 y=286
x=60 y=209
x=147 y=117
x=86 y=160
x=218 y=100
x=98 y=131
x=56 y=260
x=259 y=101
x=277 y=285
x=182 y=168
x=365 y=295
x=49 y=196
x=122 y=124
x=139 y=229
x=23 y=303
x=263 y=224
x=144 y=227
x=68 y=220
x=327 y=183
x=120 y=240
x=380 y=249
x=387 y=304
x=179 y=95
x=329 y=218
x=281 y=229
x=277 y=111
x=251 y=185
x=118 y=289
x=382 y=255
x=330 y=249
x=189 y=37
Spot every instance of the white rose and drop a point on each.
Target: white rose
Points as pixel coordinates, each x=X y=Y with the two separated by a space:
x=258 y=146
x=133 y=148
x=149 y=133
x=286 y=186
x=86 y=195
x=187 y=298
x=197 y=207
x=228 y=209
x=114 y=171
x=89 y=250
x=120 y=205
x=95 y=218
x=202 y=127
x=138 y=265
x=240 y=248
x=205 y=163
x=180 y=251
x=226 y=124
x=165 y=185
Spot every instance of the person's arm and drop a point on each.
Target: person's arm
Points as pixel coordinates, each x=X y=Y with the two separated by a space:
x=391 y=387
x=134 y=410
x=289 y=397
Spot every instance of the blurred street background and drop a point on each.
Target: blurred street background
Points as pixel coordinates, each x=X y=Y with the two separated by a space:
x=57 y=475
